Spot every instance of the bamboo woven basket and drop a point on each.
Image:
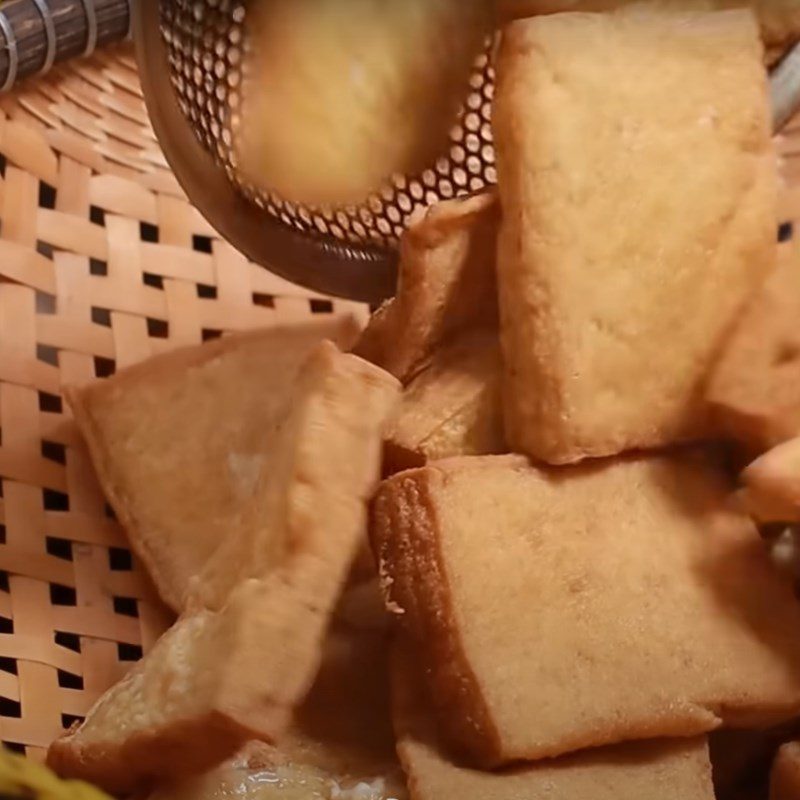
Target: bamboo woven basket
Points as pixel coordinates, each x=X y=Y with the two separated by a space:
x=103 y=263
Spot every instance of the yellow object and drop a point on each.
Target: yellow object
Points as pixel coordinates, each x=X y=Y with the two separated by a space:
x=21 y=777
x=339 y=96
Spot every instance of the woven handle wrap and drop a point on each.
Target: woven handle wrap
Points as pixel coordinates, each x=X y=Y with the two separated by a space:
x=35 y=34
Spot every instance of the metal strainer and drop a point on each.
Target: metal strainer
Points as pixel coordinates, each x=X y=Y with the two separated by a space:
x=350 y=252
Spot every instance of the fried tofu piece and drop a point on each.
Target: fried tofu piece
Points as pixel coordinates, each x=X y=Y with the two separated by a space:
x=309 y=511
x=341 y=735
x=772 y=484
x=558 y=610
x=754 y=390
x=183 y=708
x=632 y=232
x=447 y=284
x=785 y=778
x=779 y=19
x=249 y=651
x=453 y=407
x=178 y=441
x=651 y=770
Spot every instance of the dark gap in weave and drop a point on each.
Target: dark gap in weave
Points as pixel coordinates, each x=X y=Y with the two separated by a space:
x=321 y=306
x=47 y=195
x=47 y=354
x=109 y=512
x=53 y=451
x=101 y=316
x=156 y=281
x=148 y=232
x=4 y=584
x=785 y=232
x=202 y=244
x=9 y=665
x=10 y=708
x=45 y=303
x=97 y=215
x=50 y=403
x=14 y=747
x=2 y=534
x=60 y=548
x=98 y=267
x=104 y=367
x=66 y=680
x=6 y=625
x=69 y=640
x=55 y=501
x=129 y=652
x=68 y=720
x=263 y=300
x=45 y=249
x=1 y=437
x=2 y=165
x=211 y=333
x=157 y=328
x=63 y=595
x=205 y=292
x=119 y=559
x=126 y=606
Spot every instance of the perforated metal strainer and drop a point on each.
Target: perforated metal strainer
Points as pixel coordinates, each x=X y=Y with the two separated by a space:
x=200 y=46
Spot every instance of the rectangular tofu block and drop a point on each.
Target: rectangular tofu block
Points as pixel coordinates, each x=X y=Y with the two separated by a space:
x=178 y=441
x=453 y=407
x=754 y=389
x=573 y=608
x=447 y=284
x=779 y=19
x=633 y=231
x=639 y=771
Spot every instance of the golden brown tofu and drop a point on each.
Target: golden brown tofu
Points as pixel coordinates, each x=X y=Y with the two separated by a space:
x=453 y=407
x=447 y=285
x=632 y=232
x=779 y=19
x=555 y=610
x=649 y=770
x=754 y=390
x=178 y=441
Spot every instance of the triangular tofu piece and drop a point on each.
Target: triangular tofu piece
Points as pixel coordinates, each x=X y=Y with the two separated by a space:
x=754 y=390
x=447 y=284
x=573 y=608
x=453 y=407
x=178 y=441
x=663 y=770
x=237 y=671
x=632 y=232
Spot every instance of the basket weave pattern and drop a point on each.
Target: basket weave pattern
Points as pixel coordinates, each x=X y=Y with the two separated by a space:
x=103 y=262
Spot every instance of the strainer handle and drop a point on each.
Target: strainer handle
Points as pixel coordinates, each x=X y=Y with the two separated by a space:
x=35 y=34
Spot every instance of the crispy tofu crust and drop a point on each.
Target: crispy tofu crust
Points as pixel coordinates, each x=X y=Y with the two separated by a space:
x=453 y=407
x=652 y=770
x=632 y=232
x=663 y=604
x=447 y=284
x=177 y=441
